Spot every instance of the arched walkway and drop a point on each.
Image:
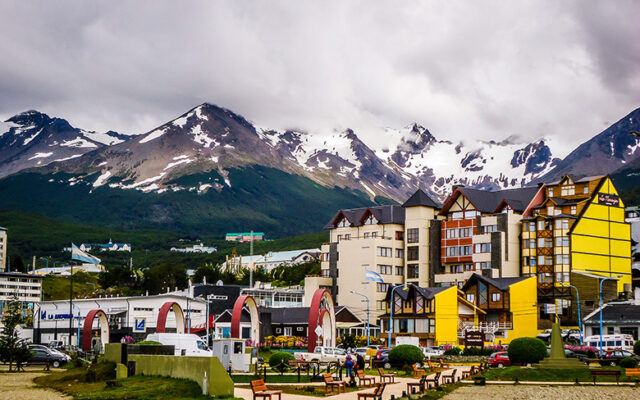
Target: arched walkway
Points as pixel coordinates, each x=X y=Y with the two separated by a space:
x=237 y=316
x=322 y=313
x=162 y=317
x=87 y=329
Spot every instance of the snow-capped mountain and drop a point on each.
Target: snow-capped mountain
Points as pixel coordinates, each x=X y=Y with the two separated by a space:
x=33 y=139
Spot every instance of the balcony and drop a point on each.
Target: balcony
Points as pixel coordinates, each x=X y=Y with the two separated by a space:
x=488 y=328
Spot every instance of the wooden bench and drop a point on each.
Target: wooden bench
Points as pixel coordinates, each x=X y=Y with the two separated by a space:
x=606 y=372
x=384 y=376
x=435 y=380
x=444 y=365
x=629 y=372
x=259 y=389
x=432 y=368
x=375 y=395
x=421 y=385
x=369 y=380
x=417 y=372
x=329 y=382
x=469 y=372
x=451 y=378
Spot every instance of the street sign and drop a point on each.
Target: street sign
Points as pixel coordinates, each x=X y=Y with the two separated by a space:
x=318 y=331
x=140 y=325
x=549 y=308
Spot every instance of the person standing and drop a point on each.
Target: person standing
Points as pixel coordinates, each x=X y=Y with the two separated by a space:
x=348 y=364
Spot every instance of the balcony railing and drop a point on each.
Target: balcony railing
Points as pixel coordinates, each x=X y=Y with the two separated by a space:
x=485 y=327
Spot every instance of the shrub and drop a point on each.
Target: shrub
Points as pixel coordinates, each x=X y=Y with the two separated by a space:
x=628 y=362
x=636 y=347
x=279 y=361
x=527 y=350
x=406 y=354
x=149 y=343
x=454 y=351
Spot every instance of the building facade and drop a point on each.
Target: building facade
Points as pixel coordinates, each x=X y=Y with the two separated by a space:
x=3 y=249
x=244 y=237
x=26 y=288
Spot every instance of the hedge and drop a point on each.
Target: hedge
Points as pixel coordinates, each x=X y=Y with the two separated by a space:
x=636 y=347
x=628 y=362
x=406 y=354
x=454 y=351
x=526 y=350
x=279 y=361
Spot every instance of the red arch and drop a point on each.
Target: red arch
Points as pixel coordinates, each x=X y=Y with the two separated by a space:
x=237 y=316
x=88 y=328
x=315 y=314
x=162 y=317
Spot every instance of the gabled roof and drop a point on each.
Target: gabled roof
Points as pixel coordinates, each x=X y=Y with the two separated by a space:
x=426 y=292
x=388 y=214
x=616 y=313
x=500 y=283
x=580 y=180
x=489 y=202
x=420 y=198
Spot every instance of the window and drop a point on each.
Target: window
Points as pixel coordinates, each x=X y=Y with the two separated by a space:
x=574 y=209
x=545 y=242
x=562 y=276
x=367 y=235
x=529 y=243
x=483 y=265
x=399 y=253
x=568 y=190
x=347 y=236
x=541 y=225
x=482 y=248
x=399 y=235
x=384 y=252
x=471 y=297
x=451 y=251
x=551 y=210
x=532 y=226
x=465 y=232
x=451 y=233
x=468 y=267
x=585 y=189
x=374 y=234
x=381 y=305
x=412 y=271
x=545 y=278
x=465 y=250
x=412 y=235
x=288 y=331
x=343 y=222
x=562 y=259
x=457 y=215
x=544 y=260
x=383 y=287
x=385 y=269
x=562 y=241
x=399 y=270
x=530 y=261
x=490 y=228
x=550 y=192
x=456 y=269
x=339 y=238
x=371 y=220
x=412 y=253
x=495 y=296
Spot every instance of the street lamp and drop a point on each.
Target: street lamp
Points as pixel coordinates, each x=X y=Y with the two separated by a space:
x=579 y=317
x=601 y=282
x=43 y=258
x=367 y=299
x=404 y=287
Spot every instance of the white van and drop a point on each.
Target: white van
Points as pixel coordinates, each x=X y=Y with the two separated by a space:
x=185 y=344
x=610 y=342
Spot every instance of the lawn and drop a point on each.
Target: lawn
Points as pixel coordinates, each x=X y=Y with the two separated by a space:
x=546 y=375
x=271 y=378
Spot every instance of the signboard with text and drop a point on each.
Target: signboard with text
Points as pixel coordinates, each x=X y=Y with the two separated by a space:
x=608 y=199
x=474 y=338
x=140 y=325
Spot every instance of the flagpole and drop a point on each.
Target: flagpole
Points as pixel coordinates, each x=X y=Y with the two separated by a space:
x=71 y=302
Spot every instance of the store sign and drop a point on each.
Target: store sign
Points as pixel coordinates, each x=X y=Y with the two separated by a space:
x=474 y=338
x=46 y=316
x=608 y=199
x=140 y=324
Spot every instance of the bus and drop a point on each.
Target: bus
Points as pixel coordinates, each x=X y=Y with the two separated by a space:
x=610 y=342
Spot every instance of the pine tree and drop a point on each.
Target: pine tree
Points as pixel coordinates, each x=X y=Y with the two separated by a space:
x=13 y=349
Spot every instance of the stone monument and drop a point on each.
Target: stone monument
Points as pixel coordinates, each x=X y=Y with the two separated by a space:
x=557 y=359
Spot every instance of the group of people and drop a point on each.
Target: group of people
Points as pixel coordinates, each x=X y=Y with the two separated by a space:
x=351 y=365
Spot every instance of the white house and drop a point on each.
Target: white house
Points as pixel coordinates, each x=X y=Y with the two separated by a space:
x=196 y=248
x=272 y=259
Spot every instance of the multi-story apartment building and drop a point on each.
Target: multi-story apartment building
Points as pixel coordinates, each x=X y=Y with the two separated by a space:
x=481 y=233
x=3 y=249
x=578 y=226
x=391 y=240
x=26 y=288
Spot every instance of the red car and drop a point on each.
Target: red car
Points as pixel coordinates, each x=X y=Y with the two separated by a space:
x=499 y=359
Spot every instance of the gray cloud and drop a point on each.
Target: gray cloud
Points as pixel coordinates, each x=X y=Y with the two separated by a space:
x=484 y=69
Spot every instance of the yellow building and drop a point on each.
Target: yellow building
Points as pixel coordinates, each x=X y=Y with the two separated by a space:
x=578 y=226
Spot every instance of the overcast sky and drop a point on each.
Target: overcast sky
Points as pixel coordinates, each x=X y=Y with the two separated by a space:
x=560 y=69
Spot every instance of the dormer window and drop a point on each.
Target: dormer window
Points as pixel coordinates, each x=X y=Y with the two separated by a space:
x=568 y=190
x=343 y=223
x=550 y=192
x=371 y=220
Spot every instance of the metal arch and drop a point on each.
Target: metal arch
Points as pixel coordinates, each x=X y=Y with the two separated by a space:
x=254 y=313
x=88 y=328
x=315 y=311
x=162 y=317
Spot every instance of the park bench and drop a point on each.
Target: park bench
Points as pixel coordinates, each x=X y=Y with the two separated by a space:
x=469 y=372
x=443 y=365
x=420 y=385
x=629 y=372
x=329 y=382
x=368 y=380
x=432 y=368
x=605 y=372
x=375 y=395
x=260 y=390
x=384 y=376
x=435 y=380
x=451 y=378
x=417 y=372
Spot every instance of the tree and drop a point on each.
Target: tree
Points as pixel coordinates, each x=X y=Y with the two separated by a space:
x=13 y=349
x=17 y=265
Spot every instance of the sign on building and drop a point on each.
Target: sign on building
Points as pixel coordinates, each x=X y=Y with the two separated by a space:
x=140 y=324
x=549 y=308
x=608 y=199
x=474 y=338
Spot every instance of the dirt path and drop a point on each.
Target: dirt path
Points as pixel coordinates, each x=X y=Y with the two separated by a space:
x=20 y=386
x=525 y=392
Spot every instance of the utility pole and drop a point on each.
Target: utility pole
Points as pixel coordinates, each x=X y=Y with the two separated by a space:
x=251 y=263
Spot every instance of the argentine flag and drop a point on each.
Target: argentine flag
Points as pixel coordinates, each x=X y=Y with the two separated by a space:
x=77 y=254
x=373 y=276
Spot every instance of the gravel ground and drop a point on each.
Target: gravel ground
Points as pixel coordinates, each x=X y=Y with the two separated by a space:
x=16 y=386
x=524 y=392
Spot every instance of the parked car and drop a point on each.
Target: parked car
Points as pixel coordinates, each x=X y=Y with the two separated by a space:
x=363 y=352
x=499 y=360
x=382 y=359
x=432 y=352
x=571 y=354
x=323 y=354
x=613 y=357
x=43 y=355
x=56 y=344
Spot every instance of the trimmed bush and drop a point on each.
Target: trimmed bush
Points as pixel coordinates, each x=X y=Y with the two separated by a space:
x=628 y=362
x=405 y=354
x=149 y=343
x=454 y=351
x=279 y=361
x=636 y=347
x=527 y=350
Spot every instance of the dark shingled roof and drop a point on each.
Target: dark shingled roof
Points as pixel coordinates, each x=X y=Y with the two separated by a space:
x=420 y=198
x=500 y=283
x=389 y=214
x=575 y=179
x=284 y=315
x=427 y=292
x=488 y=201
x=613 y=313
x=568 y=202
